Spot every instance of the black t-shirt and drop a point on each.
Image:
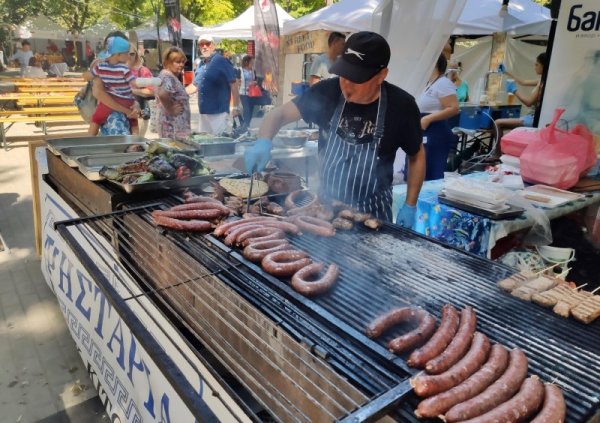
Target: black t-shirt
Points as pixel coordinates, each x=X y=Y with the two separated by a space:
x=402 y=125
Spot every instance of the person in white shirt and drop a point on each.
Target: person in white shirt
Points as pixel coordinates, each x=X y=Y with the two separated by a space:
x=23 y=55
x=320 y=67
x=437 y=103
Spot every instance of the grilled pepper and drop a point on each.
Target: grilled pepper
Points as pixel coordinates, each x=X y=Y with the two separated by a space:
x=161 y=169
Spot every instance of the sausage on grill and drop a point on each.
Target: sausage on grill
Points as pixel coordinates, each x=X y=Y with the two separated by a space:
x=224 y=227
x=231 y=237
x=190 y=214
x=495 y=394
x=439 y=341
x=315 y=225
x=474 y=385
x=392 y=318
x=415 y=337
x=427 y=385
x=523 y=405
x=182 y=225
x=277 y=234
x=202 y=206
x=200 y=199
x=285 y=263
x=554 y=408
x=302 y=283
x=458 y=346
x=258 y=232
x=256 y=251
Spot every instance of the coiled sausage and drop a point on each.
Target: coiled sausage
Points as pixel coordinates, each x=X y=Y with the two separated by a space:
x=439 y=341
x=495 y=394
x=458 y=346
x=523 y=405
x=415 y=337
x=285 y=263
x=302 y=284
x=427 y=385
x=554 y=409
x=257 y=250
x=474 y=385
x=182 y=225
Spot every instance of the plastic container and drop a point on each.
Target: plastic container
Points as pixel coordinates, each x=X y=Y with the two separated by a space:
x=473 y=117
x=298 y=87
x=551 y=172
x=555 y=254
x=516 y=140
x=188 y=77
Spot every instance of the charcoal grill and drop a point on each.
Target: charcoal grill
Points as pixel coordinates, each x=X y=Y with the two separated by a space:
x=308 y=360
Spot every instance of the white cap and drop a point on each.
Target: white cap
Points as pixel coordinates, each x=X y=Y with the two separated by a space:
x=206 y=37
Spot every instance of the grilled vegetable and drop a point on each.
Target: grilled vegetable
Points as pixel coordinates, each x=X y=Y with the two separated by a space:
x=183 y=172
x=178 y=160
x=161 y=169
x=110 y=173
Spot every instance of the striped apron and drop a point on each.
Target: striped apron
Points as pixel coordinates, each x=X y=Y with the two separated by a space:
x=349 y=171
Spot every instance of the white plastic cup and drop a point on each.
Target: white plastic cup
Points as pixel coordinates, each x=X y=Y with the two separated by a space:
x=148 y=82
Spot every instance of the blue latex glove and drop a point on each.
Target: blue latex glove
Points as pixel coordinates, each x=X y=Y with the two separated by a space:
x=406 y=216
x=501 y=68
x=511 y=87
x=257 y=156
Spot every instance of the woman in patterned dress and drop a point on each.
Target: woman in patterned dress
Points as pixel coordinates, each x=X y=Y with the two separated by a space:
x=172 y=97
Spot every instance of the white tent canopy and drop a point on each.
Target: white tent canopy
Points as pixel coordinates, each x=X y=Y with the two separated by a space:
x=99 y=30
x=483 y=17
x=147 y=31
x=479 y=17
x=41 y=27
x=241 y=27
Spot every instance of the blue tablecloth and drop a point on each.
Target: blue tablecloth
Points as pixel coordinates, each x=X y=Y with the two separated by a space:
x=470 y=232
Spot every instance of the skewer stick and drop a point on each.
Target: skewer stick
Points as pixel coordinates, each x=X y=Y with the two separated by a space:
x=580 y=286
x=594 y=291
x=539 y=272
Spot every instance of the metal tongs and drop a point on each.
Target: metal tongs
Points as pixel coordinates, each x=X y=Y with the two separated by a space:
x=250 y=194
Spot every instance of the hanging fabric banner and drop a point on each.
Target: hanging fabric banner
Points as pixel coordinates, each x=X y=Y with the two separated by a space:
x=173 y=21
x=266 y=36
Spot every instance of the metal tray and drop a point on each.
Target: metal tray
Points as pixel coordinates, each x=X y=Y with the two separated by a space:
x=55 y=145
x=511 y=211
x=217 y=146
x=70 y=154
x=177 y=145
x=194 y=181
x=90 y=165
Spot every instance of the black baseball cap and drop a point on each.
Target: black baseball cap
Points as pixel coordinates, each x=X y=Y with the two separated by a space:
x=365 y=54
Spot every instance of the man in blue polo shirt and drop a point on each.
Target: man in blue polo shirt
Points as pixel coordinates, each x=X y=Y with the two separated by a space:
x=216 y=81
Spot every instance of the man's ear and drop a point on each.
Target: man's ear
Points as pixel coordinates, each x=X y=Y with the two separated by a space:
x=383 y=73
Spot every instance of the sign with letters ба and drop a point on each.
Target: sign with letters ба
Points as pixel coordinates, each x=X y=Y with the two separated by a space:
x=129 y=383
x=573 y=80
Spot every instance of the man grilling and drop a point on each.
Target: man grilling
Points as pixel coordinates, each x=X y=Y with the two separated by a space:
x=363 y=120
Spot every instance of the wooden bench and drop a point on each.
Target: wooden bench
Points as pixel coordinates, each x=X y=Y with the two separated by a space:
x=40 y=110
x=75 y=117
x=46 y=101
x=47 y=89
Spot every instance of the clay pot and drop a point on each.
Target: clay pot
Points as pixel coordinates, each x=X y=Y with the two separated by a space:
x=280 y=182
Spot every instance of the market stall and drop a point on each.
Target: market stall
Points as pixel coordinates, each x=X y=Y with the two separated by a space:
x=183 y=326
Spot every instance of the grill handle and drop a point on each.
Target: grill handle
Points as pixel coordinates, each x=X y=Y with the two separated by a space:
x=379 y=406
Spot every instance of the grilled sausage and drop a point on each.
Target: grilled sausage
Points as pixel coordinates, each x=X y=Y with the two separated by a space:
x=232 y=235
x=392 y=318
x=373 y=223
x=495 y=394
x=415 y=337
x=427 y=385
x=523 y=405
x=554 y=409
x=200 y=199
x=438 y=404
x=201 y=206
x=182 y=225
x=190 y=214
x=277 y=234
x=288 y=227
x=256 y=251
x=258 y=232
x=439 y=341
x=285 y=263
x=361 y=217
x=315 y=226
x=302 y=284
x=224 y=227
x=347 y=214
x=458 y=346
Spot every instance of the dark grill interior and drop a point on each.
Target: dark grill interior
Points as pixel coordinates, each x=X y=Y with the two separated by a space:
x=394 y=267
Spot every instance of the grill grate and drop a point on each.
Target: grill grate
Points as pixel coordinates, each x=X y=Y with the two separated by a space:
x=381 y=270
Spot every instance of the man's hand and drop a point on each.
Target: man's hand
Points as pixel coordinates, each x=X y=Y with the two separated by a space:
x=135 y=111
x=406 y=216
x=257 y=156
x=236 y=111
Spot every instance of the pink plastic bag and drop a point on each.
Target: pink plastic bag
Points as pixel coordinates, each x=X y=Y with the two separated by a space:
x=558 y=158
